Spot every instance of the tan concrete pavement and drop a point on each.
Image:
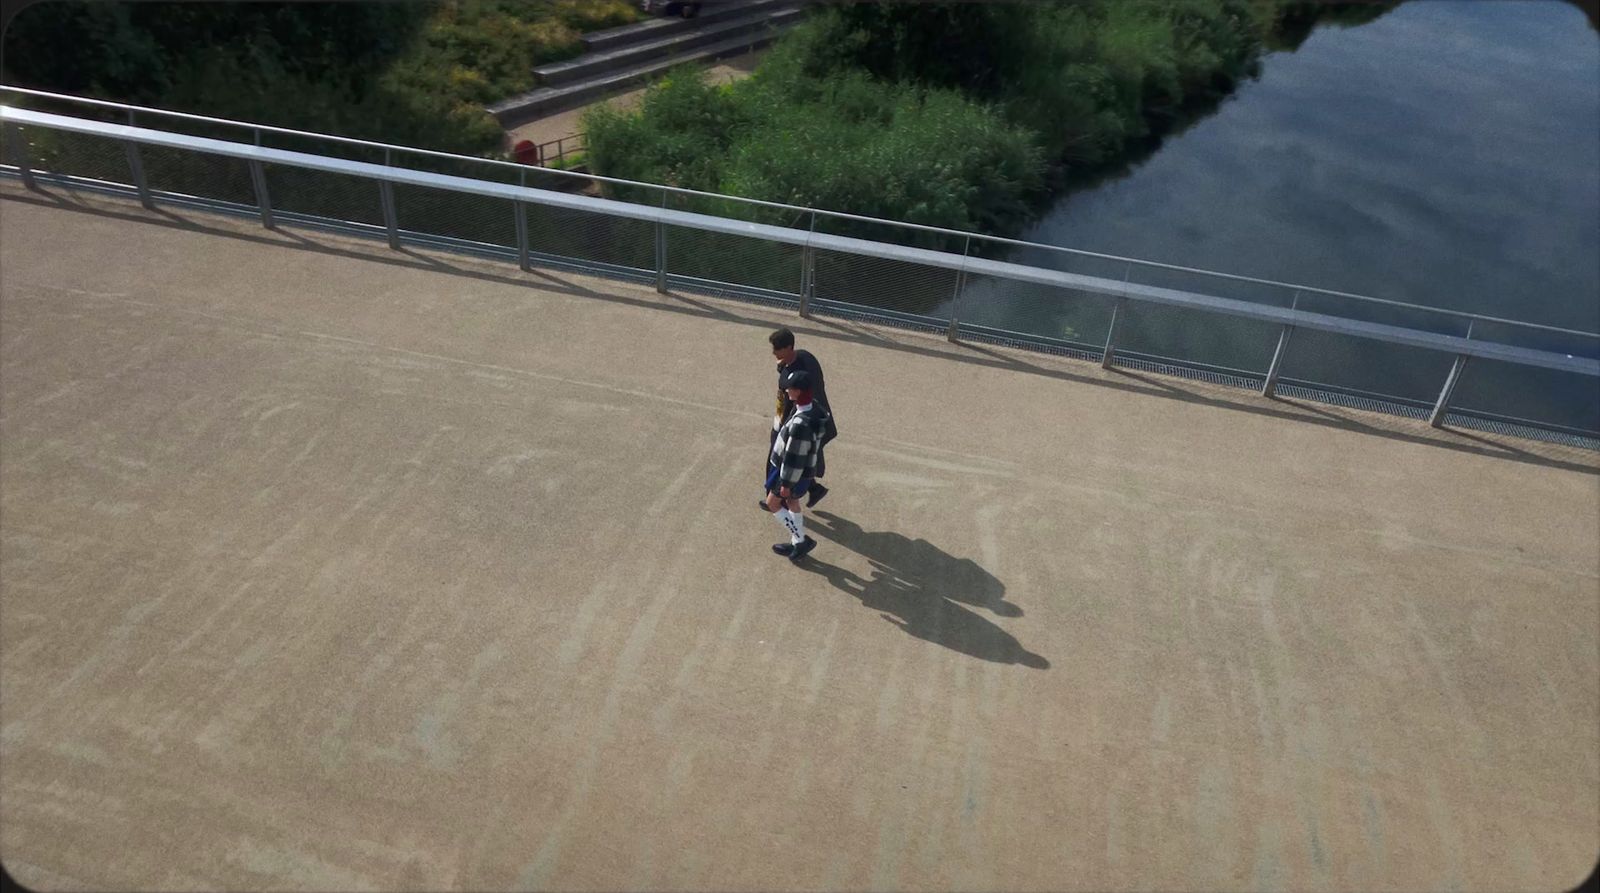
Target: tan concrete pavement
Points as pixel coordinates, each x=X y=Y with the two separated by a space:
x=324 y=566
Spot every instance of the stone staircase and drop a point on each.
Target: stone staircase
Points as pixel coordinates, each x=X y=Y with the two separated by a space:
x=618 y=58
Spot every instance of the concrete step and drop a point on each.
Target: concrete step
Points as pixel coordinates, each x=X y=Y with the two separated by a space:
x=549 y=100
x=638 y=32
x=595 y=64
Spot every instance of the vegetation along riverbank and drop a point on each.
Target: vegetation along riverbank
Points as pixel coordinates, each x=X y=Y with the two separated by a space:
x=961 y=115
x=416 y=74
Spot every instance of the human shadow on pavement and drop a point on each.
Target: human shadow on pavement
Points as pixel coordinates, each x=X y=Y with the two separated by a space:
x=922 y=589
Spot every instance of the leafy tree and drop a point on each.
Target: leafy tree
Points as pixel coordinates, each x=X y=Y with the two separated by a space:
x=408 y=72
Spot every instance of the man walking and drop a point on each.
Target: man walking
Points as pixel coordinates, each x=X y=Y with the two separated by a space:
x=791 y=360
x=790 y=466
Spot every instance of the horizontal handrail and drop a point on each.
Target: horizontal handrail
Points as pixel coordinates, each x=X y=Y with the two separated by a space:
x=813 y=240
x=352 y=141
x=1304 y=289
x=678 y=190
x=451 y=182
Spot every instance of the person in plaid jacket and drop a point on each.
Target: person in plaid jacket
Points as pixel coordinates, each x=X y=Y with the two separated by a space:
x=791 y=465
x=792 y=360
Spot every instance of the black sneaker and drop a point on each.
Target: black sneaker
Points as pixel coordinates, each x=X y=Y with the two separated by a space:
x=816 y=493
x=798 y=552
x=784 y=549
x=762 y=504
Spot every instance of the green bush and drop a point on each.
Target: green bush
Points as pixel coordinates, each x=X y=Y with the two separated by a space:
x=846 y=141
x=951 y=115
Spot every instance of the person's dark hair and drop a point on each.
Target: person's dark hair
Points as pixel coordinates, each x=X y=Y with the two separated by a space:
x=781 y=339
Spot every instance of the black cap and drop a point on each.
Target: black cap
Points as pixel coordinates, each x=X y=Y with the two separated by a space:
x=799 y=378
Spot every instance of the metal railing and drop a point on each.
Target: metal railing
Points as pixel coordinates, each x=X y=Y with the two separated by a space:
x=574 y=143
x=1275 y=337
x=543 y=155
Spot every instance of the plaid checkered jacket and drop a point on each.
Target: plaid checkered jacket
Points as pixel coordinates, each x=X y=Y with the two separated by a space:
x=794 y=450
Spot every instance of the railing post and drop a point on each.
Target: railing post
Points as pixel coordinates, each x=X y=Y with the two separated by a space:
x=520 y=210
x=1117 y=310
x=258 y=176
x=953 y=333
x=1270 y=386
x=1437 y=418
x=808 y=278
x=521 y=217
x=391 y=219
x=1111 y=333
x=661 y=257
x=661 y=249
x=808 y=270
x=19 y=154
x=136 y=165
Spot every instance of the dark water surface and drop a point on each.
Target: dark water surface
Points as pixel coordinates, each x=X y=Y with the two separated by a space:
x=1446 y=154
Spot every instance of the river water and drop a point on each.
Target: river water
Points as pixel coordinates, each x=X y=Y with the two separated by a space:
x=1446 y=154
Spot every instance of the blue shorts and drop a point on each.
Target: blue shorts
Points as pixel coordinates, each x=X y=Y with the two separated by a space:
x=797 y=490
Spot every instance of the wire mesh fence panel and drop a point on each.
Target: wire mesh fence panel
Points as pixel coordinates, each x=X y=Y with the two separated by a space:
x=890 y=233
x=1363 y=365
x=898 y=287
x=66 y=154
x=199 y=174
x=1075 y=317
x=1270 y=294
x=455 y=215
x=1195 y=337
x=1529 y=393
x=739 y=262
x=1569 y=343
x=729 y=208
x=588 y=238
x=556 y=181
x=336 y=197
x=1543 y=396
x=483 y=169
x=1422 y=319
x=327 y=147
x=216 y=130
x=632 y=193
x=1045 y=257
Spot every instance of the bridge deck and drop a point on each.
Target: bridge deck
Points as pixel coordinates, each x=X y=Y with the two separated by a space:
x=328 y=566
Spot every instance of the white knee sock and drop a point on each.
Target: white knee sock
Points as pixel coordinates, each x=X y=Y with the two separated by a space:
x=794 y=523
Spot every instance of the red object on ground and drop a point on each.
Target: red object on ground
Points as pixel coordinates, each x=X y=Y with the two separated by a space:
x=525 y=152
